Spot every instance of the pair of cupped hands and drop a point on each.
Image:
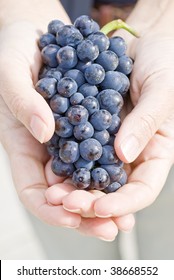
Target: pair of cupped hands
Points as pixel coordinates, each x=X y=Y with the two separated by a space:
x=145 y=141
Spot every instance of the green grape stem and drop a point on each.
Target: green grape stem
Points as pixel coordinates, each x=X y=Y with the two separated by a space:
x=118 y=24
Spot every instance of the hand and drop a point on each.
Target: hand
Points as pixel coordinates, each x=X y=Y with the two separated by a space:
x=146 y=137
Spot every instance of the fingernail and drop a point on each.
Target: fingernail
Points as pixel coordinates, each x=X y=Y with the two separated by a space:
x=78 y=211
x=130 y=148
x=38 y=128
x=105 y=239
x=103 y=216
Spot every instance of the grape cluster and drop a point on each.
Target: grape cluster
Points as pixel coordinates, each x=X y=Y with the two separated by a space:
x=84 y=80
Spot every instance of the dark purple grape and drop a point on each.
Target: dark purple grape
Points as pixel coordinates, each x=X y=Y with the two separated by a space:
x=110 y=100
x=83 y=131
x=125 y=65
x=86 y=25
x=81 y=178
x=101 y=119
x=102 y=136
x=67 y=57
x=108 y=60
x=90 y=149
x=61 y=168
x=63 y=128
x=87 y=51
x=91 y=104
x=108 y=155
x=66 y=87
x=54 y=26
x=94 y=74
x=77 y=114
x=59 y=104
x=112 y=187
x=76 y=98
x=101 y=40
x=118 y=45
x=47 y=87
x=46 y=39
x=49 y=55
x=68 y=35
x=100 y=178
x=76 y=75
x=69 y=152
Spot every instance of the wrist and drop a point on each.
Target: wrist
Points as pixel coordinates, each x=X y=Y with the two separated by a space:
x=37 y=12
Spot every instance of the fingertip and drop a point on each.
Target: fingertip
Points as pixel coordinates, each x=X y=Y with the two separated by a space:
x=125 y=223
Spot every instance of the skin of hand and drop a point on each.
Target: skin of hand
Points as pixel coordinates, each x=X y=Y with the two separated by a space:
x=146 y=138
x=25 y=117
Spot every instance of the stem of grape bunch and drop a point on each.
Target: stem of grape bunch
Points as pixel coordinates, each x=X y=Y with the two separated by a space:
x=118 y=24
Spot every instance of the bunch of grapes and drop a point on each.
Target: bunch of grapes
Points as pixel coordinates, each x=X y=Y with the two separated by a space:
x=84 y=80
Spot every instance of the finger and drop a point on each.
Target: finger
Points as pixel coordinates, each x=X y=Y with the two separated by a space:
x=52 y=178
x=144 y=185
x=125 y=223
x=104 y=229
x=31 y=185
x=56 y=193
x=27 y=105
x=145 y=119
x=82 y=202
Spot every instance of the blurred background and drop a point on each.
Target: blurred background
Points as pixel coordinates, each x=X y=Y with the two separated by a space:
x=22 y=236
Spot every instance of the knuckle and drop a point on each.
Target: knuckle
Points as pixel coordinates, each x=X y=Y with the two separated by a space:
x=148 y=124
x=18 y=106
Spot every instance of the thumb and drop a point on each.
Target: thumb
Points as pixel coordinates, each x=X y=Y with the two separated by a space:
x=26 y=104
x=143 y=121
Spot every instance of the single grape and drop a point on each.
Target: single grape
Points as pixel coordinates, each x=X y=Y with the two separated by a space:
x=100 y=178
x=118 y=45
x=47 y=87
x=69 y=152
x=77 y=114
x=54 y=26
x=68 y=35
x=66 y=87
x=112 y=80
x=46 y=39
x=115 y=125
x=87 y=51
x=91 y=104
x=88 y=90
x=108 y=60
x=49 y=55
x=82 y=163
x=81 y=65
x=59 y=104
x=86 y=25
x=116 y=173
x=63 y=128
x=83 y=131
x=81 y=178
x=90 y=149
x=100 y=39
x=76 y=75
x=101 y=119
x=53 y=141
x=125 y=84
x=76 y=98
x=112 y=187
x=53 y=73
x=94 y=74
x=67 y=57
x=61 y=168
x=110 y=100
x=108 y=155
x=102 y=136
x=125 y=65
